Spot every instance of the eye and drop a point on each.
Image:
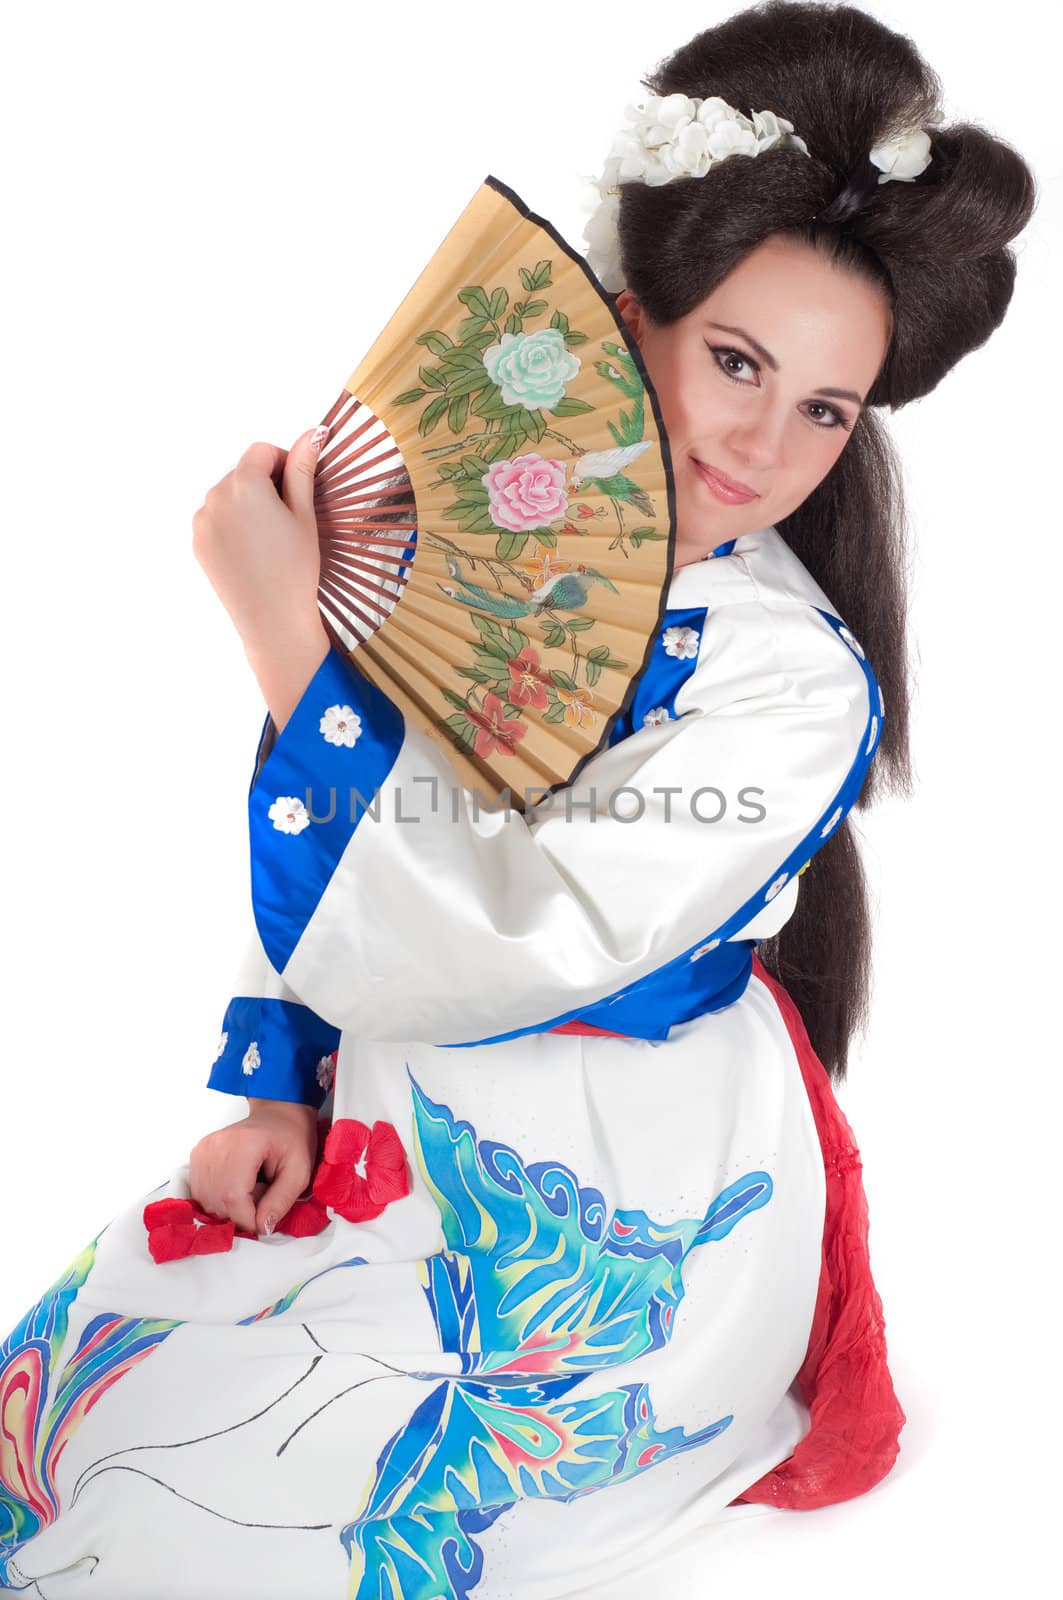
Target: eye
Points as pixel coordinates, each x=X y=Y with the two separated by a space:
x=723 y=351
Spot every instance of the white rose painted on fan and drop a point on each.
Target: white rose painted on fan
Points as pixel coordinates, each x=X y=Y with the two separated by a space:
x=531 y=369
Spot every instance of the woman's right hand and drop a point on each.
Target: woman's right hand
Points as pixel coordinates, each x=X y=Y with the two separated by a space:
x=277 y=1138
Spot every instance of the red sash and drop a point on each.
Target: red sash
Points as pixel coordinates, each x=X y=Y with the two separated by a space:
x=852 y=1441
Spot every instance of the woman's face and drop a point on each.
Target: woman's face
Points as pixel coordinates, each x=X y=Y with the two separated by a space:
x=750 y=383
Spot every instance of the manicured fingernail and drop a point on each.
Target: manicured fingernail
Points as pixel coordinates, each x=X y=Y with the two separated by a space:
x=271 y=1223
x=318 y=437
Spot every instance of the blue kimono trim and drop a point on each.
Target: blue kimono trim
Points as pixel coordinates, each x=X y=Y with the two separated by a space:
x=649 y=1007
x=271 y=1050
x=665 y=673
x=315 y=786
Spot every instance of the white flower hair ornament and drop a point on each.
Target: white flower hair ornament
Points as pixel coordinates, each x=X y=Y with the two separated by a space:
x=676 y=136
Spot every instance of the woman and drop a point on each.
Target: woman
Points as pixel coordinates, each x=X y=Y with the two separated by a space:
x=585 y=1261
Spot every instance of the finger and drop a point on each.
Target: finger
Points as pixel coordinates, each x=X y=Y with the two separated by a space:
x=281 y=1195
x=297 y=486
x=265 y=458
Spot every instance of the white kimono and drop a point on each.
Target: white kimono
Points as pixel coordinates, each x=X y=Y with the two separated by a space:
x=574 y=1339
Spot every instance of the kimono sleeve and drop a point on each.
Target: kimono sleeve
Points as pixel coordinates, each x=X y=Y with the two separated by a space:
x=396 y=903
x=272 y=1046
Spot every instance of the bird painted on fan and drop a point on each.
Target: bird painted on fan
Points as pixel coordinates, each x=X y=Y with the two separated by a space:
x=604 y=470
x=564 y=591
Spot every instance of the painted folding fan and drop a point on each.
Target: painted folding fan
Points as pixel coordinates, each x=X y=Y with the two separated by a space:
x=496 y=507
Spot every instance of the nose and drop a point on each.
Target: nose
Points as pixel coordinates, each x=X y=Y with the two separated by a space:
x=757 y=441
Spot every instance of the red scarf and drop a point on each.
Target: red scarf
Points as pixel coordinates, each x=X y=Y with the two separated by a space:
x=844 y=1380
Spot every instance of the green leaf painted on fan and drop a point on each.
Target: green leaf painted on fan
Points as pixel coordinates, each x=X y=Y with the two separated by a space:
x=499 y=302
x=467 y=506
x=480 y=524
x=409 y=397
x=510 y=546
x=460 y=361
x=594 y=672
x=491 y=405
x=471 y=383
x=494 y=649
x=474 y=467
x=547 y=536
x=459 y=407
x=599 y=655
x=431 y=415
x=478 y=675
x=432 y=377
x=572 y=339
x=562 y=678
x=512 y=323
x=454 y=700
x=638 y=536
x=555 y=714
x=553 y=636
x=579 y=624
x=476 y=300
x=569 y=406
x=497 y=448
x=533 y=424
x=560 y=321
x=533 y=308
x=469 y=327
x=436 y=340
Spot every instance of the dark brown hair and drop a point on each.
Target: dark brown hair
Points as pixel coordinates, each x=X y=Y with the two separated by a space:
x=938 y=249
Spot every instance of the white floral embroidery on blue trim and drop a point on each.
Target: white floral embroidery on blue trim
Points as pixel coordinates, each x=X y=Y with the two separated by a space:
x=881 y=702
x=657 y=715
x=851 y=642
x=252 y=1060
x=773 y=889
x=830 y=823
x=326 y=1072
x=681 y=642
x=703 y=949
x=340 y=725
x=873 y=735
x=222 y=1042
x=288 y=815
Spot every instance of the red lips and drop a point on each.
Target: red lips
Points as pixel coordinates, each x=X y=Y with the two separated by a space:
x=728 y=483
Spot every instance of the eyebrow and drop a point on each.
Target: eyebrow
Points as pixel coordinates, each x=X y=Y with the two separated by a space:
x=769 y=360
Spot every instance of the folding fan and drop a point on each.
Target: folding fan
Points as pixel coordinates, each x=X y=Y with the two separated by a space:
x=496 y=507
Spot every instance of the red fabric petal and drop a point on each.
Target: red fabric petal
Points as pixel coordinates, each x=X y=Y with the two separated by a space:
x=347 y=1141
x=172 y=1211
x=359 y=1206
x=332 y=1184
x=171 y=1241
x=386 y=1184
x=385 y=1147
x=305 y=1218
x=213 y=1237
x=845 y=1382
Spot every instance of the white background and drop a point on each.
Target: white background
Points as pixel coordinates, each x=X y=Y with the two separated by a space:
x=210 y=212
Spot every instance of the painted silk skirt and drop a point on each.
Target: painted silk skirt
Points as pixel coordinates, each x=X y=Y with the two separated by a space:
x=573 y=1341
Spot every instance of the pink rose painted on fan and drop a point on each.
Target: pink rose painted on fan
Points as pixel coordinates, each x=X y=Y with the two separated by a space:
x=525 y=493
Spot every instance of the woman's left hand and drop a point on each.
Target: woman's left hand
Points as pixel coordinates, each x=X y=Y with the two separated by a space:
x=258 y=544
